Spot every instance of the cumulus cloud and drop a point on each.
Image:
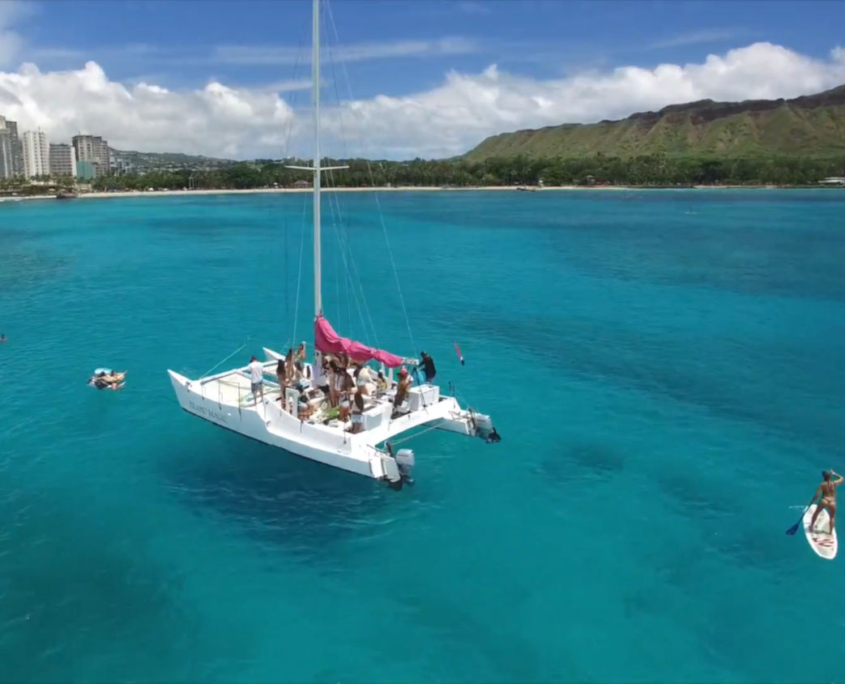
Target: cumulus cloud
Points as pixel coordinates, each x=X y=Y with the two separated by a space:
x=469 y=107
x=214 y=120
x=11 y=11
x=267 y=55
x=224 y=120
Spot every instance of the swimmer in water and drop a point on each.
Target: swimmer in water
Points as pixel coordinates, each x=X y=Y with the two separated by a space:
x=826 y=493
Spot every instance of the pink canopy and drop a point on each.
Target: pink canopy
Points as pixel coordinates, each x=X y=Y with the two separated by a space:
x=328 y=341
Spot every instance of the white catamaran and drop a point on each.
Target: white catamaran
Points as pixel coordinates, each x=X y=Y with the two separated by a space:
x=304 y=423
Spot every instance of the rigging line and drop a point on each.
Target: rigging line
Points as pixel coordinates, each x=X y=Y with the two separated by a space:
x=394 y=442
x=345 y=225
x=356 y=282
x=372 y=180
x=220 y=363
x=299 y=275
x=286 y=153
x=297 y=63
x=353 y=275
x=349 y=279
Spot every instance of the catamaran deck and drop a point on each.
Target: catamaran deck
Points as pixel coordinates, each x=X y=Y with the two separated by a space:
x=380 y=420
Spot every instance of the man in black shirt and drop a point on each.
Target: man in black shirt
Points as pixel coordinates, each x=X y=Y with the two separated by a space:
x=427 y=364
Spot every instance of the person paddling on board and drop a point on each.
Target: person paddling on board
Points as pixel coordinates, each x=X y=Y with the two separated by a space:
x=826 y=493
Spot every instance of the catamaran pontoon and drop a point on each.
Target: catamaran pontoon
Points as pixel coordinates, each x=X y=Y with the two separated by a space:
x=226 y=400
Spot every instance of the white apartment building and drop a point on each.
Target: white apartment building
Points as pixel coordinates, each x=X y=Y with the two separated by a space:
x=36 y=154
x=62 y=160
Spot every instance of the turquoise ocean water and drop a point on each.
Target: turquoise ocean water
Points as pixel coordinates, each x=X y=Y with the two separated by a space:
x=667 y=371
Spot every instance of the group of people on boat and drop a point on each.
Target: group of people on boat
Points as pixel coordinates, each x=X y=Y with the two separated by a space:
x=347 y=385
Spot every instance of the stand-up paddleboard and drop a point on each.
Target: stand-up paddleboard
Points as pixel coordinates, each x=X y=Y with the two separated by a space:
x=824 y=544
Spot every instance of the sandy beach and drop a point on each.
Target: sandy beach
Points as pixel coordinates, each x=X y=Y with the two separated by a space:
x=159 y=193
x=495 y=188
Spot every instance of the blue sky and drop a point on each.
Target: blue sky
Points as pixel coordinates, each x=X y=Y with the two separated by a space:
x=227 y=78
x=185 y=43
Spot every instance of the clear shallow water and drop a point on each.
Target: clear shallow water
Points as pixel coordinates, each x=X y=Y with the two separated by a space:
x=666 y=369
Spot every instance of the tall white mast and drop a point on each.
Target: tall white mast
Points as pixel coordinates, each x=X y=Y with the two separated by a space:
x=316 y=168
x=315 y=75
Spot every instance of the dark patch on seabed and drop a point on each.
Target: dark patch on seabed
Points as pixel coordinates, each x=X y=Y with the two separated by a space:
x=752 y=259
x=503 y=650
x=653 y=364
x=751 y=547
x=273 y=494
x=62 y=589
x=695 y=497
x=577 y=461
x=21 y=269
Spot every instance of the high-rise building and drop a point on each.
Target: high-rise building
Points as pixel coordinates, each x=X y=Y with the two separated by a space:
x=11 y=151
x=62 y=160
x=5 y=154
x=36 y=154
x=92 y=148
x=17 y=148
x=85 y=170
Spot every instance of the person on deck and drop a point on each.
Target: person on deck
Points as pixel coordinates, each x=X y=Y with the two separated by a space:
x=303 y=406
x=321 y=374
x=382 y=385
x=358 y=411
x=290 y=369
x=402 y=388
x=281 y=376
x=303 y=374
x=347 y=387
x=300 y=353
x=826 y=493
x=427 y=364
x=362 y=378
x=337 y=374
x=256 y=378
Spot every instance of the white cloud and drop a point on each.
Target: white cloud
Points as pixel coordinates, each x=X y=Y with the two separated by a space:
x=11 y=12
x=447 y=120
x=214 y=120
x=468 y=107
x=257 y=55
x=696 y=38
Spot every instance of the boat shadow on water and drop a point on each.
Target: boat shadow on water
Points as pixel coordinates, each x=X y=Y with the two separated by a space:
x=274 y=495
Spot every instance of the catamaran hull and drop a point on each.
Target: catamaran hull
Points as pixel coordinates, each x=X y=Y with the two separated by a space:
x=251 y=424
x=359 y=454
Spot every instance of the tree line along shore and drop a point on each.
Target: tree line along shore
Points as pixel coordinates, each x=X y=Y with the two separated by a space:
x=639 y=171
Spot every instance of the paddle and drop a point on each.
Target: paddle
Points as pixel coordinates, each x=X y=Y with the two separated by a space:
x=792 y=530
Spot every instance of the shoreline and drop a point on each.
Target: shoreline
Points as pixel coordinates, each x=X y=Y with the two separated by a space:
x=492 y=188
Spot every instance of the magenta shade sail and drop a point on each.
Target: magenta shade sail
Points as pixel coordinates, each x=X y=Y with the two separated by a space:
x=328 y=341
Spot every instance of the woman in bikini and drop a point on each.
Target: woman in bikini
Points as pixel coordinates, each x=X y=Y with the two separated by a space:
x=827 y=492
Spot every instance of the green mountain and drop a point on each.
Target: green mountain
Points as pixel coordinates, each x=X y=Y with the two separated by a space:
x=145 y=161
x=812 y=126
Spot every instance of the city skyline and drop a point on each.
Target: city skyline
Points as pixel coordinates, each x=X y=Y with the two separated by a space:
x=31 y=154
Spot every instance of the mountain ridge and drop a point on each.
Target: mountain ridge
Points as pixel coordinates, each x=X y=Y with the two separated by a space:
x=809 y=125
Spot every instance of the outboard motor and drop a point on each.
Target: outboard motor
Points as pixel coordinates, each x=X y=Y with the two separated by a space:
x=405 y=461
x=484 y=428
